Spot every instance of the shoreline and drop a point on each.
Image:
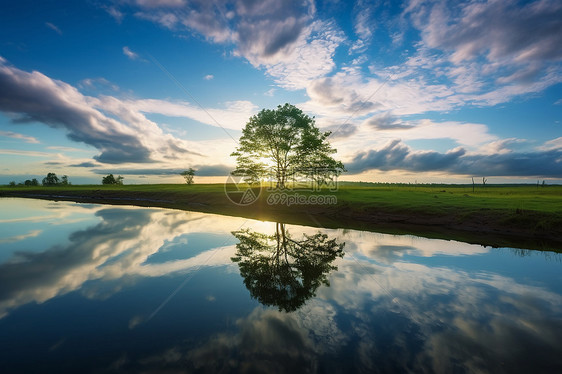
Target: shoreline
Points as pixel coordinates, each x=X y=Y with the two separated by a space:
x=486 y=227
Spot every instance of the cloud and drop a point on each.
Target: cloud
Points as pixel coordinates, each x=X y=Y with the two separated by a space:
x=34 y=97
x=387 y=121
x=25 y=138
x=53 y=27
x=86 y=164
x=397 y=155
x=552 y=145
x=496 y=49
x=234 y=116
x=160 y=3
x=132 y=55
x=18 y=152
x=114 y=12
x=200 y=170
x=208 y=77
x=96 y=83
x=498 y=30
x=280 y=36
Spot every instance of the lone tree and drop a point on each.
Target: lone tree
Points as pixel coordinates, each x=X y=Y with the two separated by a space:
x=110 y=179
x=284 y=143
x=188 y=175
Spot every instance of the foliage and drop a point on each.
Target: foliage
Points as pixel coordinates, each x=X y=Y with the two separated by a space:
x=50 y=180
x=282 y=144
x=110 y=179
x=64 y=181
x=283 y=272
x=188 y=175
x=32 y=182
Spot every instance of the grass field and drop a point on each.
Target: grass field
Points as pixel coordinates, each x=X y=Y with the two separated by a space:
x=524 y=216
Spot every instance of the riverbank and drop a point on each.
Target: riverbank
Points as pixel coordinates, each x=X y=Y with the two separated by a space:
x=519 y=216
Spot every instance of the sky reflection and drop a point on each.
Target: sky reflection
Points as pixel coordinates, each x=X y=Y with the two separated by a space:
x=136 y=289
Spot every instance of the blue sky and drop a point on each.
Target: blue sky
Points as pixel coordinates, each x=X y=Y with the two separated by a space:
x=426 y=91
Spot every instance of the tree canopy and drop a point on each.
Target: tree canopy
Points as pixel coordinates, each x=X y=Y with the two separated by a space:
x=50 y=180
x=284 y=143
x=110 y=179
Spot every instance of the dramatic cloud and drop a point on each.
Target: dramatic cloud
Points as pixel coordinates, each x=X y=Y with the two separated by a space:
x=499 y=30
x=280 y=36
x=492 y=50
x=34 y=97
x=397 y=155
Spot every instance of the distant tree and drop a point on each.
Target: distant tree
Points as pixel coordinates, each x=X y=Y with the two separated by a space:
x=50 y=180
x=12 y=184
x=110 y=179
x=188 y=175
x=64 y=181
x=27 y=182
x=34 y=182
x=284 y=143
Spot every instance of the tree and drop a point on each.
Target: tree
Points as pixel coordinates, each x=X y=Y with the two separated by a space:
x=283 y=272
x=50 y=180
x=64 y=181
x=284 y=143
x=110 y=179
x=188 y=175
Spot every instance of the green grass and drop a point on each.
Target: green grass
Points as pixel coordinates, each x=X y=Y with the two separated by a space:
x=512 y=215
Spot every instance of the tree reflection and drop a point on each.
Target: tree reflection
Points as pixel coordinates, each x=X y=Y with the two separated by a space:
x=281 y=271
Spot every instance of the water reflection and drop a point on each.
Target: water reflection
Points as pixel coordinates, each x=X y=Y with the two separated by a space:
x=281 y=271
x=78 y=292
x=116 y=250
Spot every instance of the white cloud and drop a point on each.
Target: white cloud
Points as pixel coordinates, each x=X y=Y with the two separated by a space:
x=280 y=36
x=208 y=77
x=234 y=116
x=17 y=152
x=127 y=136
x=53 y=27
x=132 y=55
x=554 y=144
x=25 y=138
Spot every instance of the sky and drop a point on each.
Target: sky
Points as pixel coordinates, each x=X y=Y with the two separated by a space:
x=414 y=91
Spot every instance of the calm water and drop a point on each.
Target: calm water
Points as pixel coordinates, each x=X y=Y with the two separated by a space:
x=102 y=289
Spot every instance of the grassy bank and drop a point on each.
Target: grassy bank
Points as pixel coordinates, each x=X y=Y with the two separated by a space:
x=520 y=216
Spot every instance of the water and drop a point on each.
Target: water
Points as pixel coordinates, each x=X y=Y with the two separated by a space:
x=104 y=289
